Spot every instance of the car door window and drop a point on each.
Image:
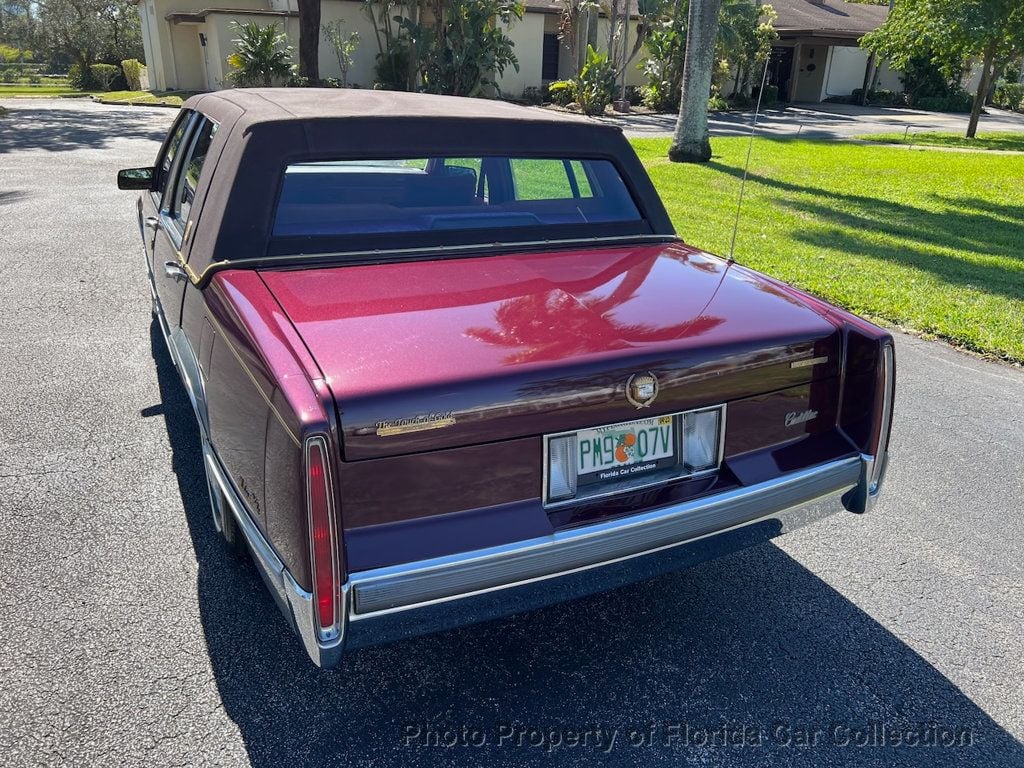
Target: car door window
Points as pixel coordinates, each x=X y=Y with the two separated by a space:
x=191 y=169
x=170 y=152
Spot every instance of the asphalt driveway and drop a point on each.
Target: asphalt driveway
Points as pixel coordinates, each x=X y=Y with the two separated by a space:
x=127 y=636
x=824 y=121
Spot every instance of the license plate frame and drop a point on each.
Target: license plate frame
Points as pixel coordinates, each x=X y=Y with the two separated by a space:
x=668 y=469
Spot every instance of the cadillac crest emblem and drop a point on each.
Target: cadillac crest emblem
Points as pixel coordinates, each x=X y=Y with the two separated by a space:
x=642 y=389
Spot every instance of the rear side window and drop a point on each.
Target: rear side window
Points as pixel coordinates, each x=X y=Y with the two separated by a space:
x=173 y=145
x=192 y=169
x=399 y=200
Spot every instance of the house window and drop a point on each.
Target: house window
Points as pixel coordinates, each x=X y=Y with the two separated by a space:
x=549 y=60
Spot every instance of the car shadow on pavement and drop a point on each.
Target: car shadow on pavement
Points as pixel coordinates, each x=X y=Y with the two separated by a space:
x=65 y=129
x=751 y=659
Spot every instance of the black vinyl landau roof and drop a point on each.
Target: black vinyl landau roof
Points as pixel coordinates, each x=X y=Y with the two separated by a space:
x=262 y=131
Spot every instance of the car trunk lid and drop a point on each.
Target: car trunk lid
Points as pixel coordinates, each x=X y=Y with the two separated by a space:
x=451 y=352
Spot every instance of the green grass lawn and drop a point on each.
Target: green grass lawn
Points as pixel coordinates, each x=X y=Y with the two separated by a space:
x=1005 y=140
x=146 y=97
x=930 y=241
x=17 y=89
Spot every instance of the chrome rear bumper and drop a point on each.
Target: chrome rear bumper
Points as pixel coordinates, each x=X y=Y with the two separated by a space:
x=387 y=604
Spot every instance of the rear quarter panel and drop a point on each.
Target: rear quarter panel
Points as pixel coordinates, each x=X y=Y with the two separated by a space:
x=264 y=396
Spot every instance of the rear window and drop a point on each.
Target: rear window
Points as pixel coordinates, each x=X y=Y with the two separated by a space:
x=426 y=201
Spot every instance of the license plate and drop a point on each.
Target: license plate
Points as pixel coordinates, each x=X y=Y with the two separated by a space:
x=624 y=451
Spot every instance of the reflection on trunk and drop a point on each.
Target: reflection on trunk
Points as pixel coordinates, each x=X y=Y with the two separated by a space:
x=556 y=325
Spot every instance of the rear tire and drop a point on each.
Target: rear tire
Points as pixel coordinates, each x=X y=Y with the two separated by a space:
x=223 y=519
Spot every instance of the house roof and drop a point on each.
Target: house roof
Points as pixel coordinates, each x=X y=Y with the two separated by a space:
x=833 y=17
x=556 y=7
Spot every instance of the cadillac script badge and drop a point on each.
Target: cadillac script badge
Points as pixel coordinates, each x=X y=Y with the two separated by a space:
x=642 y=389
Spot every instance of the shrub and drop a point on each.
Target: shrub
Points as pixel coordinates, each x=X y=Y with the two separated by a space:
x=716 y=103
x=104 y=75
x=1009 y=96
x=595 y=86
x=532 y=95
x=80 y=78
x=958 y=101
x=879 y=97
x=392 y=67
x=562 y=92
x=132 y=69
x=740 y=101
x=9 y=75
x=770 y=96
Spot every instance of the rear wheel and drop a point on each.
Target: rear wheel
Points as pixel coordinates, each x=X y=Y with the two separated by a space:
x=223 y=519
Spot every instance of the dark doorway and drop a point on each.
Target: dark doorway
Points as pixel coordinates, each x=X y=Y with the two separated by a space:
x=780 y=71
x=549 y=60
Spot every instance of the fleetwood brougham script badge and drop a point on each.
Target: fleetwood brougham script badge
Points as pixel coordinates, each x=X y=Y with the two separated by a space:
x=420 y=423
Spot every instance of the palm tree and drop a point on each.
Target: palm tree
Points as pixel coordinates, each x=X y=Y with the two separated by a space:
x=261 y=54
x=691 y=143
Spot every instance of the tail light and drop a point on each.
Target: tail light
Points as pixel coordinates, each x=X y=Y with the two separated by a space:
x=883 y=426
x=322 y=538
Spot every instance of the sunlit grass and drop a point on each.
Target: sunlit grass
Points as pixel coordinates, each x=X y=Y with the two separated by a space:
x=21 y=89
x=1005 y=140
x=930 y=241
x=174 y=98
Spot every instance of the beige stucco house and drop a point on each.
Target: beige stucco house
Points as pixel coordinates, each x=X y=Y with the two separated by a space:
x=187 y=42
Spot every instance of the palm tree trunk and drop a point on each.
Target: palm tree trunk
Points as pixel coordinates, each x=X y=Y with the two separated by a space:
x=691 y=143
x=987 y=66
x=309 y=40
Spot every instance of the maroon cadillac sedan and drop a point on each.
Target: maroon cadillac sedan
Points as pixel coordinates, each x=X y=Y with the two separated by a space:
x=450 y=361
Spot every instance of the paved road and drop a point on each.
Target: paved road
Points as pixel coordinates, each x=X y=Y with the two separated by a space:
x=128 y=638
x=833 y=121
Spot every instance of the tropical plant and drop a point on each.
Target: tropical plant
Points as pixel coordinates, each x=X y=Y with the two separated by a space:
x=746 y=34
x=949 y=33
x=261 y=54
x=396 y=63
x=344 y=46
x=594 y=88
x=465 y=47
x=663 y=68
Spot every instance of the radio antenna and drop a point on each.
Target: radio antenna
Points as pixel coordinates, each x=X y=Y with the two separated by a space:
x=746 y=165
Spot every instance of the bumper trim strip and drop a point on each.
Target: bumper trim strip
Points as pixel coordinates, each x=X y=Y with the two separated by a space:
x=397 y=588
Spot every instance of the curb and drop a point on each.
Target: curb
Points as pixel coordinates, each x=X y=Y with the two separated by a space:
x=124 y=103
